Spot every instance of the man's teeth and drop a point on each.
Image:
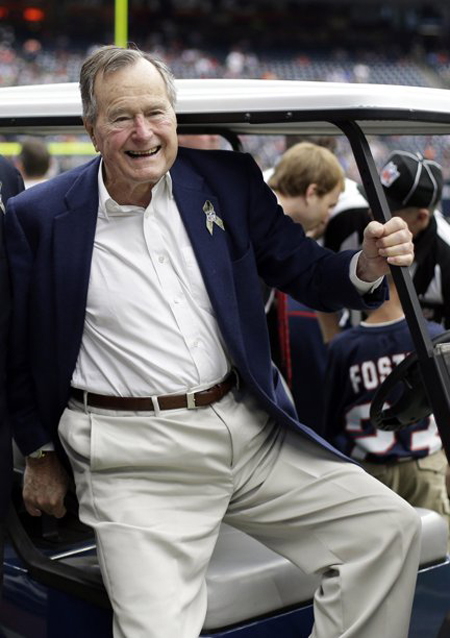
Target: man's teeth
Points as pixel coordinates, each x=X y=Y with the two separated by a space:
x=151 y=151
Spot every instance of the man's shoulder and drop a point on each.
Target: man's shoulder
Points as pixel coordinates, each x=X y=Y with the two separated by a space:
x=219 y=157
x=222 y=169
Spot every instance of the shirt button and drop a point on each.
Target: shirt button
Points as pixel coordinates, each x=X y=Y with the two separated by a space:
x=196 y=343
x=161 y=259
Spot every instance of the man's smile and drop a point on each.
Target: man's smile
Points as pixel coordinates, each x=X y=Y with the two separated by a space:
x=147 y=153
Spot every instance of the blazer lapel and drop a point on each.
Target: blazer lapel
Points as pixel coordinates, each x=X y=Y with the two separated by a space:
x=211 y=250
x=74 y=232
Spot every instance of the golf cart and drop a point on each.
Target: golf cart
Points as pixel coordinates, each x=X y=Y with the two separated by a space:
x=52 y=582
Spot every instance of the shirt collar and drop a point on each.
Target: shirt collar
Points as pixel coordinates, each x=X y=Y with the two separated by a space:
x=109 y=208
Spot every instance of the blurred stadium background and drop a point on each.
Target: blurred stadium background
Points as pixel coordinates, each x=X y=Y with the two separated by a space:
x=402 y=42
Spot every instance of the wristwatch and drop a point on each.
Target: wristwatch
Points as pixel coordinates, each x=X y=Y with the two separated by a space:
x=39 y=454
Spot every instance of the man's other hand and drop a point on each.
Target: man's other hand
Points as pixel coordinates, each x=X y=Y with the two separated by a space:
x=384 y=245
x=44 y=486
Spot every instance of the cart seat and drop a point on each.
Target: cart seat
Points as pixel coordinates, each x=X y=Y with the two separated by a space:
x=246 y=580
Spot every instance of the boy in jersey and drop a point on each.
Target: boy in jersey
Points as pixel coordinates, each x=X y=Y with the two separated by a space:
x=411 y=461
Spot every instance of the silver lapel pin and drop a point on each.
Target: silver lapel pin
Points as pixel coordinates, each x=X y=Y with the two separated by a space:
x=211 y=217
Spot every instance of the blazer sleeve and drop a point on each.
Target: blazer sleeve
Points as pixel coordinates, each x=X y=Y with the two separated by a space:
x=28 y=430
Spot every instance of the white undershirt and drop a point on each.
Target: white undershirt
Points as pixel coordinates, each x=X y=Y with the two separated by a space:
x=149 y=327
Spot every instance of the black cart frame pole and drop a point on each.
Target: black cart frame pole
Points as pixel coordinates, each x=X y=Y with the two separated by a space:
x=435 y=374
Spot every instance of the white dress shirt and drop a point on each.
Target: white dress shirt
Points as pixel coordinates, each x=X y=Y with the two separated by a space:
x=149 y=326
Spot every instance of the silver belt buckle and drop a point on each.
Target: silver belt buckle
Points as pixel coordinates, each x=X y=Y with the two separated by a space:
x=190 y=397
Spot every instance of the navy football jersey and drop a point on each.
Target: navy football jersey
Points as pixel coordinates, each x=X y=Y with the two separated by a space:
x=359 y=359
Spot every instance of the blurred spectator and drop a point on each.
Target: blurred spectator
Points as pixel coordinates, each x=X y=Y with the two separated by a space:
x=31 y=49
x=235 y=62
x=34 y=161
x=361 y=73
x=410 y=461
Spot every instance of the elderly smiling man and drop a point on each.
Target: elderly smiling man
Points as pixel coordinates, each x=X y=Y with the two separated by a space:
x=140 y=345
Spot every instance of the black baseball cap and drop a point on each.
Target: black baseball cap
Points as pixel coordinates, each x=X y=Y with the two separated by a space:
x=411 y=181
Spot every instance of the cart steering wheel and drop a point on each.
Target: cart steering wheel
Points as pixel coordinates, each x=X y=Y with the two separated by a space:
x=413 y=404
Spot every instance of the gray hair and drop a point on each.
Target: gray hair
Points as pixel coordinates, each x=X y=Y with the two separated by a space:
x=108 y=59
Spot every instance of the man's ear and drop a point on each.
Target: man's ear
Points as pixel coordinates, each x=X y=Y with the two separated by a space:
x=423 y=217
x=311 y=191
x=90 y=131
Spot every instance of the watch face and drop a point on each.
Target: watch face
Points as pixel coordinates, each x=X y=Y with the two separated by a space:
x=39 y=454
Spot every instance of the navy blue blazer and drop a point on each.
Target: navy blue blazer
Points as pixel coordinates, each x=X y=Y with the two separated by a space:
x=11 y=183
x=50 y=234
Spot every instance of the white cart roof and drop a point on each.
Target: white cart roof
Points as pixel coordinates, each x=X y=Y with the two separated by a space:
x=251 y=106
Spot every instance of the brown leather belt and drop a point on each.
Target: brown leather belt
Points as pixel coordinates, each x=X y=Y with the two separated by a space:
x=190 y=400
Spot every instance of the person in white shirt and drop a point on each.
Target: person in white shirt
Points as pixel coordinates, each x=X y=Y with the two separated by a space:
x=308 y=181
x=140 y=347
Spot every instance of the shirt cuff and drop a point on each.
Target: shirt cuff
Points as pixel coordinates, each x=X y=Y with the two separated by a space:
x=363 y=287
x=37 y=454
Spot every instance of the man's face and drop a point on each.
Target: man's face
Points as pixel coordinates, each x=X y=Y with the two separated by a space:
x=312 y=211
x=135 y=131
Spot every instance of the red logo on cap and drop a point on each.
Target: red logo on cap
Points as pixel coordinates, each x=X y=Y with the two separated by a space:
x=389 y=174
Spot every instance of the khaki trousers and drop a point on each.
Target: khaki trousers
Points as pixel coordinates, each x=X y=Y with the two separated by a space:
x=155 y=488
x=422 y=482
